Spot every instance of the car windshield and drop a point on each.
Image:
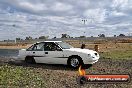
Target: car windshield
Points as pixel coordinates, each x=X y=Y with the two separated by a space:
x=64 y=45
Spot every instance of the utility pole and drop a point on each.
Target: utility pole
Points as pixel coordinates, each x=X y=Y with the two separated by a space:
x=84 y=22
x=15 y=41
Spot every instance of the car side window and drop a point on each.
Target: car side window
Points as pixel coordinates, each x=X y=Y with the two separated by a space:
x=37 y=47
x=50 y=46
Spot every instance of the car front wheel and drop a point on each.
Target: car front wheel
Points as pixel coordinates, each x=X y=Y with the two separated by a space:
x=75 y=62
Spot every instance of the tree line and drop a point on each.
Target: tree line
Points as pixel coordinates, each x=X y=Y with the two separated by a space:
x=67 y=36
x=31 y=38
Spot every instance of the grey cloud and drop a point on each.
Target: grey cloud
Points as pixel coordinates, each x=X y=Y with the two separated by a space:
x=48 y=17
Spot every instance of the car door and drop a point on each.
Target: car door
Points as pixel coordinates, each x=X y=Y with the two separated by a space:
x=53 y=53
x=37 y=52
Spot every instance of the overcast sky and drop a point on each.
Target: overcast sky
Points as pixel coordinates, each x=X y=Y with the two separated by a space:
x=21 y=18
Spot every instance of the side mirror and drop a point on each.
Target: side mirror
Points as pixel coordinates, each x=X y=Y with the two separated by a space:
x=58 y=49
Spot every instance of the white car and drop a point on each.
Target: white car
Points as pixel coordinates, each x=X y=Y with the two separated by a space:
x=58 y=52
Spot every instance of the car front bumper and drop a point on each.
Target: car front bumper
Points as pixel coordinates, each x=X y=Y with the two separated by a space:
x=91 y=60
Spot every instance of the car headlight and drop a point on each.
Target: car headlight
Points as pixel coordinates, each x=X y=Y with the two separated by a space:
x=89 y=55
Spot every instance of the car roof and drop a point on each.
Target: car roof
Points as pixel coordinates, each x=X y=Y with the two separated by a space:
x=52 y=41
x=49 y=41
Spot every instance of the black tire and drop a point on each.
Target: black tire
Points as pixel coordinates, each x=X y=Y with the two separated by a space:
x=81 y=80
x=75 y=61
x=30 y=60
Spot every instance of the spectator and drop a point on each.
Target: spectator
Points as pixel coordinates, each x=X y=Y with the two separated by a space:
x=83 y=46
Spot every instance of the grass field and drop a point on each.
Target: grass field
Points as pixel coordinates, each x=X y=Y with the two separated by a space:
x=116 y=51
x=15 y=76
x=22 y=75
x=127 y=54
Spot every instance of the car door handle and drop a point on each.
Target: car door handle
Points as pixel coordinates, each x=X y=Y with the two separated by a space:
x=33 y=52
x=46 y=52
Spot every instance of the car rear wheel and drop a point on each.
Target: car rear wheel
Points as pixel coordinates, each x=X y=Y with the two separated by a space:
x=30 y=60
x=75 y=62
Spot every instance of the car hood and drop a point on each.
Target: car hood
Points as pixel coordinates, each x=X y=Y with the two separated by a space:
x=87 y=51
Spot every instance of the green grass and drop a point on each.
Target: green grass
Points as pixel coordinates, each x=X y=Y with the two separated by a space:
x=117 y=54
x=17 y=76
